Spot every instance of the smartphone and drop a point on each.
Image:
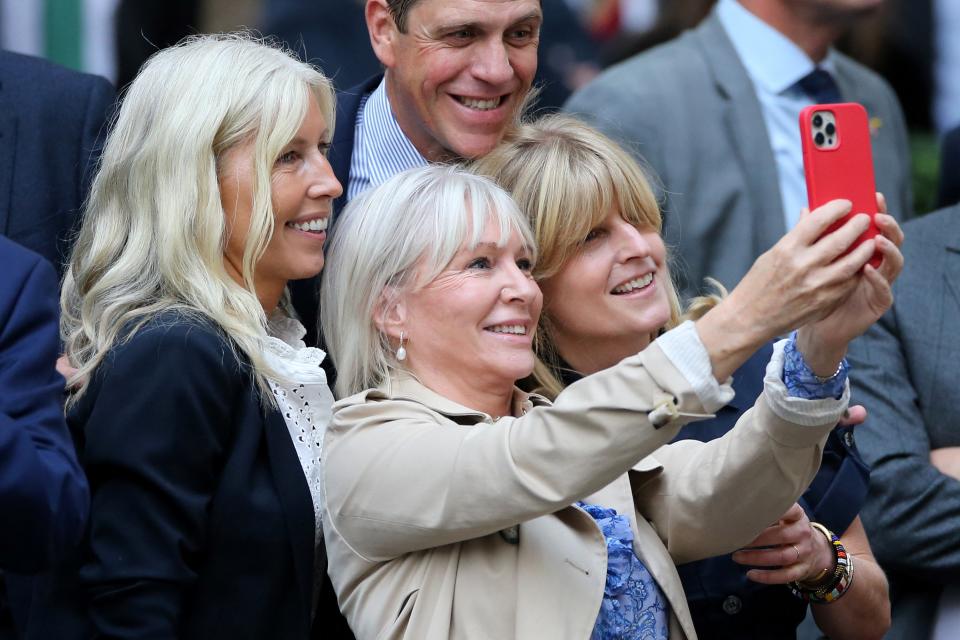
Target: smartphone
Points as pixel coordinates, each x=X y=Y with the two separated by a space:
x=837 y=161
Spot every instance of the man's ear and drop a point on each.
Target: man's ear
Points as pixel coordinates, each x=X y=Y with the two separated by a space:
x=383 y=31
x=390 y=314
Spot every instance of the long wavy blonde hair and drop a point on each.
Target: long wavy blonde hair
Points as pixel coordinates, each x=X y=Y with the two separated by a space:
x=567 y=176
x=154 y=230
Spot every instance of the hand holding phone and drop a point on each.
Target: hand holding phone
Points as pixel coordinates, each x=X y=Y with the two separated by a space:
x=838 y=163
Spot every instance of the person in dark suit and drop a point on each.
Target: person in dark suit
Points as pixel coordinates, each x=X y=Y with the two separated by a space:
x=948 y=191
x=715 y=114
x=199 y=414
x=907 y=370
x=51 y=120
x=43 y=493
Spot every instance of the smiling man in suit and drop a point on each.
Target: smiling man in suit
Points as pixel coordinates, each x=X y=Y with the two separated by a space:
x=715 y=113
x=50 y=121
x=456 y=75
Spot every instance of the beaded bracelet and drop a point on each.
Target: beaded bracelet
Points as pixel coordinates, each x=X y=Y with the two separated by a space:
x=840 y=582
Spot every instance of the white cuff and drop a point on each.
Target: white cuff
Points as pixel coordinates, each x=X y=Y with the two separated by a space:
x=684 y=349
x=807 y=413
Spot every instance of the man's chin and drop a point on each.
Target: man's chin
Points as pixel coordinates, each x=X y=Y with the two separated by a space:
x=473 y=147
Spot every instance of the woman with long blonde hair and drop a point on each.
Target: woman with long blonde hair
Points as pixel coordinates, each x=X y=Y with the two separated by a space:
x=597 y=226
x=198 y=411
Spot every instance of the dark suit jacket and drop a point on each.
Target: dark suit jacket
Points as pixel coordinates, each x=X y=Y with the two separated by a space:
x=43 y=493
x=306 y=293
x=202 y=524
x=948 y=192
x=331 y=35
x=723 y=602
x=905 y=372
x=689 y=108
x=50 y=120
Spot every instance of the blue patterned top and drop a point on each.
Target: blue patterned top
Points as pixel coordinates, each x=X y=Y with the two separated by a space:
x=633 y=606
x=800 y=380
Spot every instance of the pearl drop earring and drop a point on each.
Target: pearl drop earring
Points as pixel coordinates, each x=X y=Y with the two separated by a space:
x=401 y=352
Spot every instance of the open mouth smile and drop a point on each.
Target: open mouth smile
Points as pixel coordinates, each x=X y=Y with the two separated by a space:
x=315 y=225
x=632 y=285
x=481 y=104
x=514 y=329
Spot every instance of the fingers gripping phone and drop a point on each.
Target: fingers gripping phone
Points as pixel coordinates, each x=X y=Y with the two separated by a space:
x=837 y=162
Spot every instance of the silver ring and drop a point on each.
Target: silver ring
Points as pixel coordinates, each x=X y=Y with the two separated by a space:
x=798 y=553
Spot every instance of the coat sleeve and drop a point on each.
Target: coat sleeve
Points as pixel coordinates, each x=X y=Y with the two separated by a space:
x=158 y=424
x=400 y=477
x=912 y=509
x=43 y=493
x=712 y=498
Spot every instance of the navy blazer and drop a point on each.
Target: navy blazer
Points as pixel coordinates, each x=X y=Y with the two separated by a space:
x=202 y=524
x=306 y=293
x=43 y=493
x=51 y=124
x=723 y=603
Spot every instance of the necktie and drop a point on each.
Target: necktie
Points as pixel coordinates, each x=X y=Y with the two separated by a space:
x=820 y=86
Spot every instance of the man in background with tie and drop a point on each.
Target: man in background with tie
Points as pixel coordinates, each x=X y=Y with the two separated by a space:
x=715 y=114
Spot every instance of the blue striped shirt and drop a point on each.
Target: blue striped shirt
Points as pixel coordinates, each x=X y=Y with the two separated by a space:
x=380 y=150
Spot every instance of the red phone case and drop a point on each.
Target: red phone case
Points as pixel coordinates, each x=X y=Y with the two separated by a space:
x=844 y=171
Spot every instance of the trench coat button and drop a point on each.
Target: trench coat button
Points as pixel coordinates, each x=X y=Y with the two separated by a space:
x=848 y=438
x=732 y=605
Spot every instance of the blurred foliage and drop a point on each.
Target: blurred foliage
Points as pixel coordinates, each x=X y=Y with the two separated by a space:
x=925 y=161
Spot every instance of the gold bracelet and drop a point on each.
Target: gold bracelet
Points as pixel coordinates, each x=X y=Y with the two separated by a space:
x=818 y=580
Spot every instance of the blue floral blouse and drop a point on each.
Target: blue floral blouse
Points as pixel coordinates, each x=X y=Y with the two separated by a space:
x=633 y=606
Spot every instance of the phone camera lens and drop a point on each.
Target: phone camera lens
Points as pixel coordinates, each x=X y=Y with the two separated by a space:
x=818 y=139
x=817 y=120
x=831 y=129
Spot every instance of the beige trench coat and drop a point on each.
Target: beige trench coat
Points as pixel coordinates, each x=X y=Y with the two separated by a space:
x=419 y=489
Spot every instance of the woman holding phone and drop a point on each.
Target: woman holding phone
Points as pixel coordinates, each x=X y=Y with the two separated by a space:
x=459 y=506
x=597 y=226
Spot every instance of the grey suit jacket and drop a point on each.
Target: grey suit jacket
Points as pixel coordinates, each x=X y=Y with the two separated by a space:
x=905 y=371
x=689 y=109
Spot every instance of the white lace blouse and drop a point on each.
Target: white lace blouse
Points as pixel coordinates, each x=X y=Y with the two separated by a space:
x=304 y=399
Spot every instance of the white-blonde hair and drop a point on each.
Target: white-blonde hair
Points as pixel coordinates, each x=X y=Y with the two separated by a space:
x=154 y=230
x=394 y=239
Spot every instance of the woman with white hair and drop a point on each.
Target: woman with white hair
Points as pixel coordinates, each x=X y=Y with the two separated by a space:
x=199 y=413
x=458 y=506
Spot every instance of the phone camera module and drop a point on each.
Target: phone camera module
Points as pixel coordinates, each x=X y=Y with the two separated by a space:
x=830 y=129
x=818 y=139
x=818 y=120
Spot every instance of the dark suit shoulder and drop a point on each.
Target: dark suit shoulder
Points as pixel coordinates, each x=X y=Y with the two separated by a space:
x=868 y=80
x=171 y=352
x=16 y=261
x=20 y=72
x=664 y=67
x=939 y=228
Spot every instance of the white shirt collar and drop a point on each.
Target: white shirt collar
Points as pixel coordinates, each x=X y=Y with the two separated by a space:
x=772 y=60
